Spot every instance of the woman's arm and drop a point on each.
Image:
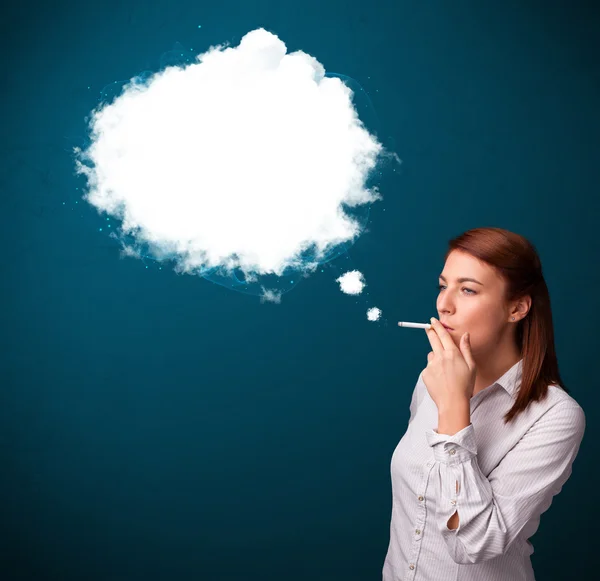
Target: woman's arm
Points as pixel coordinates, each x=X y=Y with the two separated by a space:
x=493 y=511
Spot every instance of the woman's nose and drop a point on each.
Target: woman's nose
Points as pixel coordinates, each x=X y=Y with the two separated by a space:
x=443 y=300
x=444 y=305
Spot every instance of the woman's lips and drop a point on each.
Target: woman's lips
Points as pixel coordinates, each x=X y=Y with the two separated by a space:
x=447 y=328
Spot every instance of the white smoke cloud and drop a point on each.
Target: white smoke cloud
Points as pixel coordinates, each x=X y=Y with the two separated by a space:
x=242 y=159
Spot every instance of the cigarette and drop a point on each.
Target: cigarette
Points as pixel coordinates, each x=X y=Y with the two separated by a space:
x=414 y=325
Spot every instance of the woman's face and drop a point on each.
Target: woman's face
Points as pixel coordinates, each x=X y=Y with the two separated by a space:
x=477 y=306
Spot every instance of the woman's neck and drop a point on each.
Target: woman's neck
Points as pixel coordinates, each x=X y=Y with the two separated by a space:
x=495 y=367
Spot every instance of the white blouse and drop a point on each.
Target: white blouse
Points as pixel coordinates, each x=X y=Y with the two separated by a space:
x=499 y=477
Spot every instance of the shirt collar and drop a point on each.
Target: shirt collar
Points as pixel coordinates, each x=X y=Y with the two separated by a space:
x=511 y=380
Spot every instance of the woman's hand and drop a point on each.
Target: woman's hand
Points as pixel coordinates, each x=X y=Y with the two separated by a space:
x=450 y=372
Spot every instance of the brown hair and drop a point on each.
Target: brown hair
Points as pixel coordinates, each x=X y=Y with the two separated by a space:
x=517 y=260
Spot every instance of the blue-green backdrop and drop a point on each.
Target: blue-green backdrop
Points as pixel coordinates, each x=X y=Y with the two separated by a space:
x=160 y=427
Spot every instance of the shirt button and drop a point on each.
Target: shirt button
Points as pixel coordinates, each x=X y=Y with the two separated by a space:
x=453 y=502
x=420 y=498
x=453 y=451
x=418 y=531
x=428 y=464
x=411 y=566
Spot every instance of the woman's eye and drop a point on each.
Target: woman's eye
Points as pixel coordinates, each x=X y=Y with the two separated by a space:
x=472 y=292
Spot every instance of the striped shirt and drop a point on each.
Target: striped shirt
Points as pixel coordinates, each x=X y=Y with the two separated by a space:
x=499 y=477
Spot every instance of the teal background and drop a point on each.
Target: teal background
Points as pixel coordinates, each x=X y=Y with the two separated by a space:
x=160 y=427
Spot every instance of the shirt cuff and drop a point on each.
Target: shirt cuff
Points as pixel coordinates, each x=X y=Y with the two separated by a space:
x=453 y=449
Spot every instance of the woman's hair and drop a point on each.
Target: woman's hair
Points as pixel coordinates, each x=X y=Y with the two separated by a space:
x=516 y=259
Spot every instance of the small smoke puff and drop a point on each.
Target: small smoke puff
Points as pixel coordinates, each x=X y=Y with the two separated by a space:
x=352 y=282
x=374 y=314
x=270 y=296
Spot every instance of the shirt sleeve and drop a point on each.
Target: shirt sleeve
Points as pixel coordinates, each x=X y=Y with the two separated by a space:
x=493 y=510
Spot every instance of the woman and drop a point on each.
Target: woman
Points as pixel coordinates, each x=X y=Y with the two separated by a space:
x=492 y=433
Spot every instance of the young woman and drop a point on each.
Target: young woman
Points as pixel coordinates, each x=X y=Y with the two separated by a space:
x=492 y=433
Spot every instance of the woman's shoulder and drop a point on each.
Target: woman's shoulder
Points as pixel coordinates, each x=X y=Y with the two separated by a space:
x=565 y=406
x=558 y=410
x=558 y=396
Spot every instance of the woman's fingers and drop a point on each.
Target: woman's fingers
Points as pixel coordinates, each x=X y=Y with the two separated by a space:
x=436 y=344
x=444 y=337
